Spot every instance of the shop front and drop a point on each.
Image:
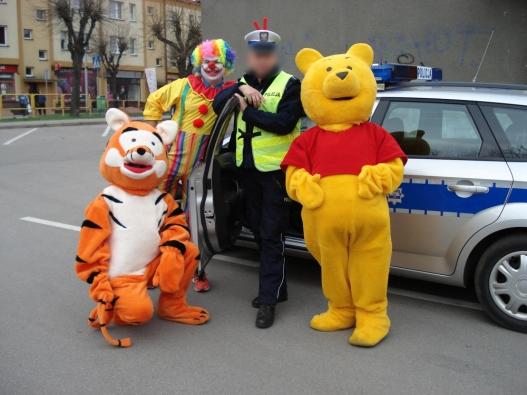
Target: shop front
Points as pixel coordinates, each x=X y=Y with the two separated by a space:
x=128 y=87
x=7 y=79
x=65 y=81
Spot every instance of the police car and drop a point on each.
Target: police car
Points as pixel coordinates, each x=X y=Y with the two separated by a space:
x=460 y=215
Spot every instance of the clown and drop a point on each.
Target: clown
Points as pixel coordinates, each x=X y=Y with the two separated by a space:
x=134 y=235
x=191 y=98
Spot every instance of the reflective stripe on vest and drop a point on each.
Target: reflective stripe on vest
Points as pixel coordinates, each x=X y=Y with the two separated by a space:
x=268 y=148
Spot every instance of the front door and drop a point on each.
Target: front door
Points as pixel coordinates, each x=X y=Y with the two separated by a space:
x=214 y=195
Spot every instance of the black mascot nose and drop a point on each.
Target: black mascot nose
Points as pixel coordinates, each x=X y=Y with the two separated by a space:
x=141 y=151
x=342 y=74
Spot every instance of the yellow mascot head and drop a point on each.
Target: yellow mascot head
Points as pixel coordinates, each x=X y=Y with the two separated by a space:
x=338 y=91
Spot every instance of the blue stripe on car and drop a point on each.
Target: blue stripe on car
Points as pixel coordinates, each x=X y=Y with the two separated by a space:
x=427 y=197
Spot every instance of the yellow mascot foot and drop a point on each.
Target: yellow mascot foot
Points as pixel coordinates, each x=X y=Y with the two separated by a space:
x=333 y=320
x=370 y=332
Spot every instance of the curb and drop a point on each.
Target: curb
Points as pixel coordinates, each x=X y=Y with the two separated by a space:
x=57 y=122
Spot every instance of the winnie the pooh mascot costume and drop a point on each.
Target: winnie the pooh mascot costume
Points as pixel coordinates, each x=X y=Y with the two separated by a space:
x=135 y=235
x=341 y=171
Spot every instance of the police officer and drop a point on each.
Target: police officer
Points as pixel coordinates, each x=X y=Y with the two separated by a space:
x=268 y=121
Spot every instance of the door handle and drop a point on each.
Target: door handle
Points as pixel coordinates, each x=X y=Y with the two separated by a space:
x=473 y=189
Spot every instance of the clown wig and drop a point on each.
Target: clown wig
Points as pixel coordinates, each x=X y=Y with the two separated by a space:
x=213 y=48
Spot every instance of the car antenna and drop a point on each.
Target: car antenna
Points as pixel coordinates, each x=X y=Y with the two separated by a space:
x=483 y=57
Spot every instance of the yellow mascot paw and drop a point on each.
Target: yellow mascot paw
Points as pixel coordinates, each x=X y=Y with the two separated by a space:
x=371 y=332
x=310 y=193
x=333 y=320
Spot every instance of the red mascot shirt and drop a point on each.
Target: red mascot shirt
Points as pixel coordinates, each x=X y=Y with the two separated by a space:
x=328 y=153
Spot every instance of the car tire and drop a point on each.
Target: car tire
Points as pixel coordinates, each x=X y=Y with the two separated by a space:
x=500 y=282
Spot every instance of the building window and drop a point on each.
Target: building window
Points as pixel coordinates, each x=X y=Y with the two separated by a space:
x=151 y=11
x=133 y=12
x=158 y=62
x=42 y=54
x=116 y=9
x=132 y=46
x=42 y=15
x=29 y=71
x=150 y=44
x=114 y=45
x=28 y=34
x=64 y=40
x=3 y=35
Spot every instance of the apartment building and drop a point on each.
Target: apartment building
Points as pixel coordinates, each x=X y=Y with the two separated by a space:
x=34 y=52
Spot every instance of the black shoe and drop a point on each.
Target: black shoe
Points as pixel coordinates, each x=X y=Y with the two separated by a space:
x=265 y=316
x=256 y=301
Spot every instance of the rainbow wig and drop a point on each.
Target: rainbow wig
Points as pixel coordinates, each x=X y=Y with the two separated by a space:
x=213 y=48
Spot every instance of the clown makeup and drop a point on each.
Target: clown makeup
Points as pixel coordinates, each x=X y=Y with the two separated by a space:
x=212 y=70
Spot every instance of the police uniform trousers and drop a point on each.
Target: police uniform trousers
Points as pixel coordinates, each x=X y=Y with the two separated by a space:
x=267 y=213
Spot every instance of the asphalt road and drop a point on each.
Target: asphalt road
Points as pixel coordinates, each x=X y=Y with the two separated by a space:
x=435 y=347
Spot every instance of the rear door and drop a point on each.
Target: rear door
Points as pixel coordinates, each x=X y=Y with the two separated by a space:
x=455 y=173
x=214 y=195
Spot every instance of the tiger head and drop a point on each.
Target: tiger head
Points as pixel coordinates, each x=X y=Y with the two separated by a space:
x=135 y=158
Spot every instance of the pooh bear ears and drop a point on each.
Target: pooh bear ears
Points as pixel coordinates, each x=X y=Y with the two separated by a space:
x=116 y=119
x=307 y=56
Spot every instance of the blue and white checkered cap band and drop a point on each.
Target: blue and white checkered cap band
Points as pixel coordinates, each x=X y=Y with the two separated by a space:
x=262 y=38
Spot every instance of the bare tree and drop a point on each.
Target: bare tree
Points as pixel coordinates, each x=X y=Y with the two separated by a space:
x=111 y=50
x=80 y=18
x=182 y=33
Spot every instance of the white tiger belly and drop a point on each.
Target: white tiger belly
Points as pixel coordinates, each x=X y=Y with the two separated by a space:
x=134 y=242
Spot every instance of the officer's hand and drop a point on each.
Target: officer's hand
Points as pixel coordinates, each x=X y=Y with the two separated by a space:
x=253 y=96
x=241 y=100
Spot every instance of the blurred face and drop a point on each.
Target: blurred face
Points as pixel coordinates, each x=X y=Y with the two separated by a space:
x=262 y=63
x=212 y=70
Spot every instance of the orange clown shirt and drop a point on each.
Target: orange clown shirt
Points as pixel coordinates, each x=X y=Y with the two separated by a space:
x=329 y=153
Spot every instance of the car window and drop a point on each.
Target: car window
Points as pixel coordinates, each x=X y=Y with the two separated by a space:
x=439 y=130
x=512 y=122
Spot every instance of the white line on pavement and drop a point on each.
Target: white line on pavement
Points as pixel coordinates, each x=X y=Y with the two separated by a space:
x=51 y=223
x=250 y=263
x=19 y=136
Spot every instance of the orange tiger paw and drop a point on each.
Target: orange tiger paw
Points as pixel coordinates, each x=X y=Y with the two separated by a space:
x=176 y=309
x=190 y=315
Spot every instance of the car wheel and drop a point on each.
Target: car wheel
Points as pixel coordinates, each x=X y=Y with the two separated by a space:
x=501 y=282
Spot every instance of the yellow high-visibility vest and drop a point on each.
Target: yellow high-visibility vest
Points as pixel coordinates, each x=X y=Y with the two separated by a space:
x=268 y=148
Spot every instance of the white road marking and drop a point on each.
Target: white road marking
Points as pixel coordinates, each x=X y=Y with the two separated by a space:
x=106 y=131
x=250 y=263
x=19 y=136
x=51 y=223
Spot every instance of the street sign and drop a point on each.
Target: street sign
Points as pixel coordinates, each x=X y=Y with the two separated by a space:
x=151 y=79
x=96 y=61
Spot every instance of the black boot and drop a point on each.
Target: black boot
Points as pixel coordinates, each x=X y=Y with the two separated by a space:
x=265 y=316
x=256 y=301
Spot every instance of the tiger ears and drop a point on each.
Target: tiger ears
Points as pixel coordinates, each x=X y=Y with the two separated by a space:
x=116 y=119
x=305 y=58
x=167 y=130
x=362 y=51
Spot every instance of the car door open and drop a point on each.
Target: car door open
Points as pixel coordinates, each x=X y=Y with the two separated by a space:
x=215 y=199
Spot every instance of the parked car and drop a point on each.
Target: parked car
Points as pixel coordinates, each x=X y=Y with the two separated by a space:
x=459 y=217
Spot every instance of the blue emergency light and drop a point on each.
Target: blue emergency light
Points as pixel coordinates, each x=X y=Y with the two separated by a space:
x=392 y=73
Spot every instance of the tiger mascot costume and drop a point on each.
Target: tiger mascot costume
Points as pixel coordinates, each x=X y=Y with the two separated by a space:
x=134 y=235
